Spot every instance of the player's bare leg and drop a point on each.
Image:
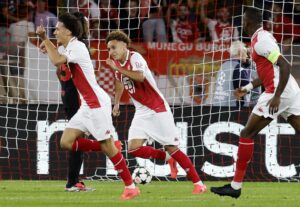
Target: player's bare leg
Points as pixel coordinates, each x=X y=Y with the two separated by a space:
x=68 y=138
x=246 y=145
x=109 y=149
x=185 y=162
x=136 y=148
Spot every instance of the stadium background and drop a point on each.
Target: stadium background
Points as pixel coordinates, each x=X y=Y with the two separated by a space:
x=32 y=118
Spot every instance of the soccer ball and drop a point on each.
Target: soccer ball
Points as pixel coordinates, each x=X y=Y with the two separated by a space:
x=141 y=176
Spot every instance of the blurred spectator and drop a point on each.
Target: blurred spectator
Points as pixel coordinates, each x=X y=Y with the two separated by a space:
x=235 y=73
x=91 y=10
x=297 y=12
x=109 y=18
x=130 y=21
x=154 y=28
x=3 y=28
x=220 y=29
x=182 y=29
x=43 y=16
x=22 y=29
x=283 y=28
x=192 y=6
x=8 y=14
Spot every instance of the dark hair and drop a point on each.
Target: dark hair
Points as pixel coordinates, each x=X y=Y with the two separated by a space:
x=119 y=36
x=72 y=23
x=84 y=24
x=254 y=15
x=77 y=24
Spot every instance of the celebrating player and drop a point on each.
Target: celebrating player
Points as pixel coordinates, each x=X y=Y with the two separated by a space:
x=153 y=117
x=94 y=114
x=281 y=96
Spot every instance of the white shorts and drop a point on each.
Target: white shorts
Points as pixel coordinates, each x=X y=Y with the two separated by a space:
x=287 y=107
x=97 y=122
x=159 y=127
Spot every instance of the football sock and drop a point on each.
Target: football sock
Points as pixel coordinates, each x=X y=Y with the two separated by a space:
x=245 y=151
x=236 y=185
x=186 y=164
x=120 y=166
x=85 y=145
x=75 y=162
x=148 y=152
x=132 y=186
x=199 y=183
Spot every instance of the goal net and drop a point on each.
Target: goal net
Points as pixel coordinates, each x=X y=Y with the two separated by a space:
x=192 y=49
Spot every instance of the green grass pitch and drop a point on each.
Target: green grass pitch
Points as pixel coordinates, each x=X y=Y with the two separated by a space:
x=155 y=194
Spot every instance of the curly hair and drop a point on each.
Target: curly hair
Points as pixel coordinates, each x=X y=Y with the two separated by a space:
x=119 y=36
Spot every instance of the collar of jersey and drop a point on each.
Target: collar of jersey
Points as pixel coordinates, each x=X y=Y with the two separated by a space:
x=127 y=56
x=258 y=30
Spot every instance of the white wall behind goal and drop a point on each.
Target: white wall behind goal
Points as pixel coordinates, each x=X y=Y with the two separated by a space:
x=40 y=80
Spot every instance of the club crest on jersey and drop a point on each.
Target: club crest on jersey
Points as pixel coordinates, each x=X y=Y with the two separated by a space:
x=138 y=65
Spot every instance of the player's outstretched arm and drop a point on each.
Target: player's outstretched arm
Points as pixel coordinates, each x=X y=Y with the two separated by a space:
x=119 y=88
x=56 y=58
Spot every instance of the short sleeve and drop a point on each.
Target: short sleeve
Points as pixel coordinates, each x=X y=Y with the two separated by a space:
x=138 y=63
x=267 y=47
x=72 y=53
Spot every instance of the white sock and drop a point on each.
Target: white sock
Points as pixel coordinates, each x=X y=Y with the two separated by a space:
x=132 y=186
x=168 y=156
x=236 y=185
x=199 y=183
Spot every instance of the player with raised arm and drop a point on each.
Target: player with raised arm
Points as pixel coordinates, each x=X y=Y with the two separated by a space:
x=94 y=114
x=71 y=103
x=281 y=96
x=153 y=118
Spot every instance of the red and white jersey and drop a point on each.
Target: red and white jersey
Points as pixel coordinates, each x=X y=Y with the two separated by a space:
x=263 y=44
x=83 y=74
x=145 y=95
x=184 y=31
x=224 y=32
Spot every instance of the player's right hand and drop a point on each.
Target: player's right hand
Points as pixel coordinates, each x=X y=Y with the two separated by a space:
x=116 y=110
x=41 y=32
x=239 y=93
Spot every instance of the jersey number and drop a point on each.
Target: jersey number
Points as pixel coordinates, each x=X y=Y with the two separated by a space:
x=128 y=85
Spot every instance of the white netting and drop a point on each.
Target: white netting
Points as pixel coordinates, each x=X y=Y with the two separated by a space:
x=195 y=77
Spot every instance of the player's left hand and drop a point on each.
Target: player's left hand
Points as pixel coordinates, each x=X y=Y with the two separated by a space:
x=112 y=64
x=274 y=105
x=43 y=48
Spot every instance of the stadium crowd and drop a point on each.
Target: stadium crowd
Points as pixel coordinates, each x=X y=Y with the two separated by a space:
x=181 y=21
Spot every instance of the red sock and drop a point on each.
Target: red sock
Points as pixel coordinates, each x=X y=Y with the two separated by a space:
x=85 y=145
x=187 y=165
x=148 y=152
x=245 y=152
x=120 y=165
